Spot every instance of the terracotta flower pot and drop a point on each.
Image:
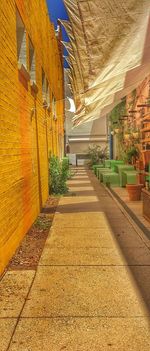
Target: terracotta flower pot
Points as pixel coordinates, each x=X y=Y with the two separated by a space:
x=134 y=191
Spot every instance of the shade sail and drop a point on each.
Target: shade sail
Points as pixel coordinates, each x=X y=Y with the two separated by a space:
x=109 y=52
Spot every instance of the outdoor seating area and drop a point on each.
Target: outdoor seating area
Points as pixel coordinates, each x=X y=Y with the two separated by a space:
x=116 y=173
x=136 y=183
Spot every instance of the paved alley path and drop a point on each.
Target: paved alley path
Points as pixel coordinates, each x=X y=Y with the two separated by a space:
x=91 y=291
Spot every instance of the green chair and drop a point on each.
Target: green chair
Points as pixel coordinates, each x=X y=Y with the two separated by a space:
x=129 y=177
x=102 y=172
x=97 y=170
x=123 y=168
x=115 y=163
x=107 y=163
x=111 y=179
x=95 y=167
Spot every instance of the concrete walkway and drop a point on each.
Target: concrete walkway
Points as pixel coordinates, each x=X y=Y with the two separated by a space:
x=91 y=291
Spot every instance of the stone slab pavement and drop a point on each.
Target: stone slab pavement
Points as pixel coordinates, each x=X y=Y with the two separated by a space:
x=91 y=290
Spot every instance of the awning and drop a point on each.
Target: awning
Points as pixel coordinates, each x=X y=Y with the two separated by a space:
x=109 y=52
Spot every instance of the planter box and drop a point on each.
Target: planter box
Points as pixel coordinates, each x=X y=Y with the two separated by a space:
x=146 y=204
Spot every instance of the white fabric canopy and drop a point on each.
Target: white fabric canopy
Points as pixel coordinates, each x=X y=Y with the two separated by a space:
x=109 y=52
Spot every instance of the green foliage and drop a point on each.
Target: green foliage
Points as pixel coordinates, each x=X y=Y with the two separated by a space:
x=64 y=173
x=133 y=99
x=58 y=175
x=132 y=152
x=128 y=154
x=97 y=154
x=42 y=223
x=117 y=112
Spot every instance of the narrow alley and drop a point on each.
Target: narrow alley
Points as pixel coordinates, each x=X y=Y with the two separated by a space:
x=91 y=290
x=75 y=175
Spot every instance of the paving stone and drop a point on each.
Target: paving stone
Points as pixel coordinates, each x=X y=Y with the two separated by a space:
x=82 y=256
x=80 y=177
x=80 y=220
x=7 y=326
x=82 y=182
x=142 y=274
x=69 y=334
x=73 y=237
x=137 y=256
x=82 y=188
x=78 y=199
x=85 y=297
x=14 y=288
x=84 y=291
x=127 y=238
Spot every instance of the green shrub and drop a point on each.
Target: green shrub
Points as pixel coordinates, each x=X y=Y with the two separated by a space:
x=58 y=175
x=64 y=173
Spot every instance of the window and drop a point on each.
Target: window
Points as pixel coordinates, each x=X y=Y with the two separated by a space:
x=32 y=68
x=21 y=40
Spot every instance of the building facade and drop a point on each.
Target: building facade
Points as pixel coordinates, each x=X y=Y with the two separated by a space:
x=31 y=116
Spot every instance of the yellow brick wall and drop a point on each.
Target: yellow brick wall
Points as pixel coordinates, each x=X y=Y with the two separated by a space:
x=26 y=138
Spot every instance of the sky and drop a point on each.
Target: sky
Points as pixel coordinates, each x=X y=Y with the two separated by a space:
x=57 y=10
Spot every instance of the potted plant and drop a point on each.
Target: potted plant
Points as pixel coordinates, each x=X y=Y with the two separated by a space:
x=134 y=191
x=146 y=194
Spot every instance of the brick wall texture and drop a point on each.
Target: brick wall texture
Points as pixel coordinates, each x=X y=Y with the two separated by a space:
x=28 y=132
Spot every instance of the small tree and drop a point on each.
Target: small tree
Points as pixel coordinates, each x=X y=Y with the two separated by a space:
x=97 y=154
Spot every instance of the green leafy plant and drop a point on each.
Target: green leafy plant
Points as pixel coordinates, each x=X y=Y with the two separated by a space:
x=42 y=223
x=97 y=154
x=132 y=153
x=64 y=175
x=117 y=112
x=58 y=175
